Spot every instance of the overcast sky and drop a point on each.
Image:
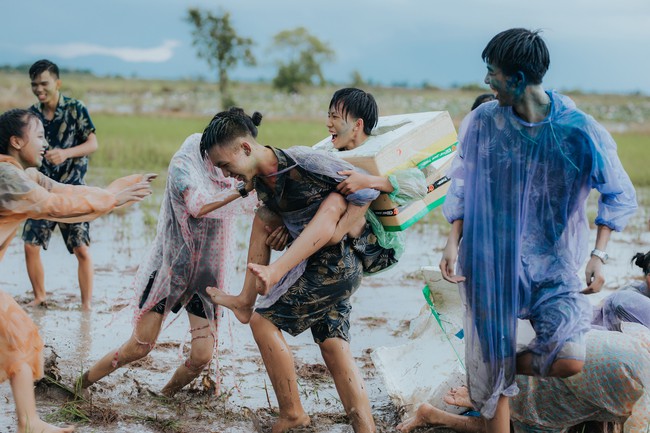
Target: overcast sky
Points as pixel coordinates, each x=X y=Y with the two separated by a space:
x=595 y=45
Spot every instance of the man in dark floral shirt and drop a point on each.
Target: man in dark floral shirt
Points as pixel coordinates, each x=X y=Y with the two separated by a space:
x=71 y=136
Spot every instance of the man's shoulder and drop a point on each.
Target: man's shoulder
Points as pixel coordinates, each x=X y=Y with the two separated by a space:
x=70 y=103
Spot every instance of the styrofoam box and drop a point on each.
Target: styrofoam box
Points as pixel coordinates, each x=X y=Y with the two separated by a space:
x=417 y=140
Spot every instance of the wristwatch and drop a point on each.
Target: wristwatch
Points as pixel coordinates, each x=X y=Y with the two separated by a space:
x=602 y=255
x=241 y=187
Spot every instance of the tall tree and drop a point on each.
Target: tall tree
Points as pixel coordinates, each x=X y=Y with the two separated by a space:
x=219 y=44
x=301 y=56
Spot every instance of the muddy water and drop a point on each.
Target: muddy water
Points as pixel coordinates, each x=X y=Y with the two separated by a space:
x=127 y=400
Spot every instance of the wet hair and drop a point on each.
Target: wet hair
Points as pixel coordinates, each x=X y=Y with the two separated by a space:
x=227 y=126
x=358 y=104
x=41 y=66
x=485 y=97
x=13 y=124
x=642 y=261
x=519 y=50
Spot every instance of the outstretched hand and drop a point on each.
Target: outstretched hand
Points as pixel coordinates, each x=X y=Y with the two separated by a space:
x=149 y=177
x=133 y=193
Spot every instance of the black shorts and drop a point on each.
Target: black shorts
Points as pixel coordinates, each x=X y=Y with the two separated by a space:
x=195 y=306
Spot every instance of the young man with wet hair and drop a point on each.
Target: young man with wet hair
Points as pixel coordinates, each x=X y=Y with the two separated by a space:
x=293 y=183
x=351 y=116
x=520 y=183
x=71 y=136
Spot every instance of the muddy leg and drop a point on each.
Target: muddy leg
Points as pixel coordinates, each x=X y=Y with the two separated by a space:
x=429 y=415
x=349 y=383
x=203 y=344
x=138 y=346
x=281 y=369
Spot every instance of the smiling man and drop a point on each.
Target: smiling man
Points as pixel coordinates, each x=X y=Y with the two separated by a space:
x=71 y=136
x=525 y=167
x=293 y=183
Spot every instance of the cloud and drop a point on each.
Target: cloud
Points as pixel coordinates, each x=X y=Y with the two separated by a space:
x=158 y=54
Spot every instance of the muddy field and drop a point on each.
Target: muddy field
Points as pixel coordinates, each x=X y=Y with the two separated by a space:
x=128 y=400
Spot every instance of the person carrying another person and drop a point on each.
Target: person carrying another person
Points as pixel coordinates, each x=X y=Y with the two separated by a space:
x=351 y=117
x=293 y=183
x=526 y=164
x=26 y=193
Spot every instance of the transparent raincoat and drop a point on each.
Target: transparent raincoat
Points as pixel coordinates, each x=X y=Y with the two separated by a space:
x=190 y=253
x=30 y=194
x=521 y=191
x=613 y=385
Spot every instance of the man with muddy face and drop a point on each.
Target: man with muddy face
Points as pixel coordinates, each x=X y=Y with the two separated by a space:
x=315 y=296
x=525 y=166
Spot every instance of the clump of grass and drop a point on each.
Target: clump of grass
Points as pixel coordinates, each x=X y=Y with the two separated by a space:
x=165 y=425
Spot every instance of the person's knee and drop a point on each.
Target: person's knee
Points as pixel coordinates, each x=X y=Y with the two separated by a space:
x=332 y=348
x=202 y=349
x=256 y=323
x=82 y=252
x=200 y=357
x=334 y=205
x=567 y=367
x=134 y=350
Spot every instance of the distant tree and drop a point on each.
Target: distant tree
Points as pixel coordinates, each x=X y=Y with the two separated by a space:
x=357 y=79
x=219 y=44
x=301 y=56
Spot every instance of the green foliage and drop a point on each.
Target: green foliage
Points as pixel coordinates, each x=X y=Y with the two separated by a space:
x=301 y=55
x=219 y=44
x=633 y=150
x=357 y=80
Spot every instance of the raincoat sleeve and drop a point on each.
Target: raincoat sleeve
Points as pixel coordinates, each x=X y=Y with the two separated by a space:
x=408 y=185
x=328 y=166
x=454 y=206
x=198 y=191
x=38 y=197
x=617 y=201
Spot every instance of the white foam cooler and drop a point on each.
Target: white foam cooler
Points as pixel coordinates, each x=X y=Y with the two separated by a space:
x=417 y=140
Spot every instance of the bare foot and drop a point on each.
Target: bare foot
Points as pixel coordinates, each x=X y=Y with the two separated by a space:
x=425 y=415
x=86 y=307
x=283 y=425
x=242 y=310
x=40 y=426
x=459 y=397
x=266 y=277
x=37 y=302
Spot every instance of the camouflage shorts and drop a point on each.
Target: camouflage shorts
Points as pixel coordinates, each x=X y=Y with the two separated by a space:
x=38 y=232
x=320 y=299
